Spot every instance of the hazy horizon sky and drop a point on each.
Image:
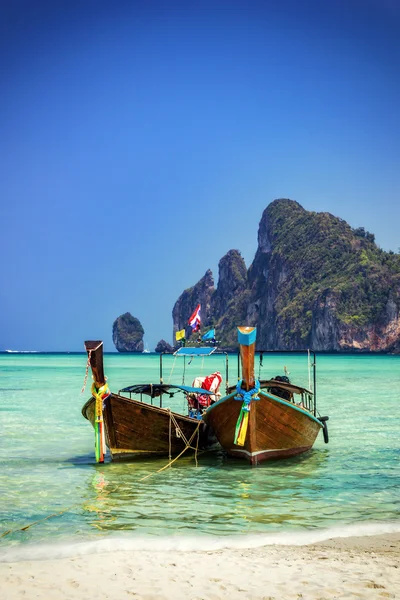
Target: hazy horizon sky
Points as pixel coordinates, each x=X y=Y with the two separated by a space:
x=142 y=140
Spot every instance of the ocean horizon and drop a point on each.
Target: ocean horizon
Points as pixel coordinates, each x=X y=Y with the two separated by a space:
x=350 y=486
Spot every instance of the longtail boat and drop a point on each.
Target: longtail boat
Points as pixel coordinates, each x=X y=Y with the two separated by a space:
x=131 y=428
x=259 y=421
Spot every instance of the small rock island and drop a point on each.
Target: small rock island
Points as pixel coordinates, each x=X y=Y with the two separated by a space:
x=128 y=334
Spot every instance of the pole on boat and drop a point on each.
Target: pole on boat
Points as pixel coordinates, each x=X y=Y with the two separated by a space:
x=315 y=382
x=226 y=374
x=247 y=388
x=100 y=392
x=247 y=342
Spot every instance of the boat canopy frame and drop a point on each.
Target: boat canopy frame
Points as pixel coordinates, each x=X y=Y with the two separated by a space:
x=271 y=382
x=156 y=390
x=188 y=354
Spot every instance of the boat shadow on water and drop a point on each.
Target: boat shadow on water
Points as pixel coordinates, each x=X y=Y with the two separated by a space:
x=314 y=458
x=208 y=459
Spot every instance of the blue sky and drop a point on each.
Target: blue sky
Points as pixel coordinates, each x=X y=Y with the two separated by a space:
x=140 y=141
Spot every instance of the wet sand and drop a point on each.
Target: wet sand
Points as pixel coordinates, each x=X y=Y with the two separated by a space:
x=354 y=567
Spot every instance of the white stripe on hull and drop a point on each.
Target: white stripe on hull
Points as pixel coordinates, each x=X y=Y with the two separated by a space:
x=243 y=451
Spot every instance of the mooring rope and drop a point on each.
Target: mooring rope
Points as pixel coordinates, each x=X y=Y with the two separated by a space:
x=56 y=514
x=179 y=433
x=187 y=446
x=171 y=461
x=172 y=370
x=38 y=521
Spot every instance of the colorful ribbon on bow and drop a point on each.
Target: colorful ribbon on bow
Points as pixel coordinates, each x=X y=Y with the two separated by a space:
x=243 y=418
x=99 y=394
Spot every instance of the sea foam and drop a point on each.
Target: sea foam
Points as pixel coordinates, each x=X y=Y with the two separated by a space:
x=200 y=543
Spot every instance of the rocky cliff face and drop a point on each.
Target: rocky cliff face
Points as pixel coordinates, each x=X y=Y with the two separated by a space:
x=201 y=293
x=232 y=282
x=128 y=334
x=230 y=299
x=314 y=283
x=221 y=307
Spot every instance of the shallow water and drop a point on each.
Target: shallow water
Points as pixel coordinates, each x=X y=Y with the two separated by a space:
x=47 y=457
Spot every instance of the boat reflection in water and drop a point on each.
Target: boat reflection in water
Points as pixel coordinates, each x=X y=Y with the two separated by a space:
x=219 y=495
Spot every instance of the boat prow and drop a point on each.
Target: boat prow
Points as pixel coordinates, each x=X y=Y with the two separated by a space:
x=255 y=424
x=276 y=429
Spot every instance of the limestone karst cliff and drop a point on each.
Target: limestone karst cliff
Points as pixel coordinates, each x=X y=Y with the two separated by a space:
x=187 y=301
x=128 y=333
x=314 y=283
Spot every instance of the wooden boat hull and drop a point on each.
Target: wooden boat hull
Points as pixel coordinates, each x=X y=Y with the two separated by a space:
x=135 y=429
x=276 y=429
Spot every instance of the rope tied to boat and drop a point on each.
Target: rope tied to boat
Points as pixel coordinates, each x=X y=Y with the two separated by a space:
x=178 y=431
x=188 y=444
x=247 y=395
x=56 y=514
x=100 y=393
x=87 y=372
x=243 y=419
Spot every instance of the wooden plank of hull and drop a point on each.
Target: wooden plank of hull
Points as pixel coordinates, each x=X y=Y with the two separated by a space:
x=276 y=429
x=136 y=429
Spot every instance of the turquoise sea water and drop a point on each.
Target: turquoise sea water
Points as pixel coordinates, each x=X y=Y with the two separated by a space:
x=47 y=460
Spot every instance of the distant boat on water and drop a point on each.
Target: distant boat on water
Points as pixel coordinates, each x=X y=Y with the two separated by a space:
x=146 y=350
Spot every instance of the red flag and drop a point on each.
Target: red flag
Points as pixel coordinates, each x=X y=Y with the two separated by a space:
x=195 y=321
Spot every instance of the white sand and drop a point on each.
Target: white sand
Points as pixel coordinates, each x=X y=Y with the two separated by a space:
x=357 y=567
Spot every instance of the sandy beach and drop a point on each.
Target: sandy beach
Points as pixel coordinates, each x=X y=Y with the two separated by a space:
x=355 y=567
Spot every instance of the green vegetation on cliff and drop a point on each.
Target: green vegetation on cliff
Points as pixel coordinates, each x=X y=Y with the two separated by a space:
x=325 y=256
x=314 y=283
